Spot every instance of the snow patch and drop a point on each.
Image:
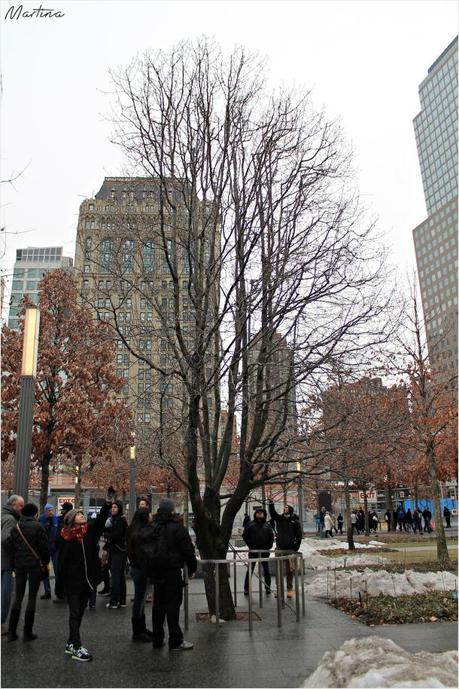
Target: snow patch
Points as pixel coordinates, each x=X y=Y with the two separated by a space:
x=377 y=662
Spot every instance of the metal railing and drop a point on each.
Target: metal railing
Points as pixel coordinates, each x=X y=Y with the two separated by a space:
x=298 y=572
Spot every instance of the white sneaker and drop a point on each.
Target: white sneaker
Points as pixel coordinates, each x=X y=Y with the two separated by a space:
x=81 y=654
x=69 y=648
x=184 y=646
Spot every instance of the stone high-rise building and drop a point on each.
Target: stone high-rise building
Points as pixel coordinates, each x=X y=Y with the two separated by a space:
x=435 y=239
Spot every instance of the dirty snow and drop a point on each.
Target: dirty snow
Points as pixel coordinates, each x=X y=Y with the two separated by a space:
x=376 y=662
x=314 y=560
x=348 y=583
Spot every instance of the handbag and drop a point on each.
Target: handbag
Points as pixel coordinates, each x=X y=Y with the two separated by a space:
x=44 y=569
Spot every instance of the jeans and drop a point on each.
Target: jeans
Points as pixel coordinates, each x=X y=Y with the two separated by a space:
x=266 y=573
x=33 y=576
x=77 y=603
x=118 y=572
x=167 y=599
x=46 y=582
x=7 y=589
x=140 y=588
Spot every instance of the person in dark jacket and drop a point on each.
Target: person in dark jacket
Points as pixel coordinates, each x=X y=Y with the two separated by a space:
x=447 y=516
x=11 y=513
x=78 y=571
x=117 y=548
x=139 y=525
x=28 y=547
x=168 y=582
x=50 y=523
x=427 y=516
x=66 y=507
x=417 y=521
x=258 y=535
x=288 y=539
x=339 y=521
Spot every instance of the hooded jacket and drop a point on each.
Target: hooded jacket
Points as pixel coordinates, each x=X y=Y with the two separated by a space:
x=78 y=565
x=50 y=525
x=9 y=520
x=116 y=534
x=288 y=529
x=178 y=542
x=22 y=558
x=259 y=535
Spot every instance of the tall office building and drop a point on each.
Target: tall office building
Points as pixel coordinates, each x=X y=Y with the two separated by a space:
x=30 y=266
x=435 y=239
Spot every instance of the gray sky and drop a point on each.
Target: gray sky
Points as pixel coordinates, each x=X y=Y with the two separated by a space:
x=362 y=60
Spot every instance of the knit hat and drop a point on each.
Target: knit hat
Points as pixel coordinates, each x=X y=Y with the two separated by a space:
x=66 y=507
x=48 y=506
x=166 y=505
x=29 y=510
x=70 y=516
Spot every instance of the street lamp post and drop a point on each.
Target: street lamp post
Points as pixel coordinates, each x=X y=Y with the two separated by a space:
x=132 y=482
x=27 y=398
x=300 y=496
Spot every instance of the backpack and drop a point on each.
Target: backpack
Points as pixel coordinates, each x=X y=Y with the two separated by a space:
x=153 y=551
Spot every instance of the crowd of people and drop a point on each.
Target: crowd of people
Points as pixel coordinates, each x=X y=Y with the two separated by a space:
x=86 y=553
x=419 y=521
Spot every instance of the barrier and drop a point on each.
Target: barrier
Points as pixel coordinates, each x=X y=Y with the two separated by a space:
x=300 y=605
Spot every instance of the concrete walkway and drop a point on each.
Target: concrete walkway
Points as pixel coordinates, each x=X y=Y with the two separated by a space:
x=226 y=657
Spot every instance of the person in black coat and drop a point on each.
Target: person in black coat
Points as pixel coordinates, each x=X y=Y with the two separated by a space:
x=447 y=516
x=258 y=535
x=288 y=539
x=139 y=525
x=117 y=549
x=78 y=571
x=26 y=537
x=178 y=548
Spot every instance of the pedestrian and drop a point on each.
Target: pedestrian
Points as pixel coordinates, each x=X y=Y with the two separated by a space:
x=78 y=571
x=447 y=516
x=317 y=519
x=117 y=548
x=374 y=521
x=387 y=519
x=360 y=521
x=259 y=536
x=417 y=521
x=288 y=540
x=66 y=507
x=322 y=521
x=409 y=519
x=427 y=516
x=11 y=514
x=139 y=525
x=28 y=546
x=50 y=523
x=353 y=521
x=340 y=521
x=401 y=518
x=165 y=546
x=328 y=525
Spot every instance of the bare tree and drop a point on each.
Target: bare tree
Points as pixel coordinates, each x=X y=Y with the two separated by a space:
x=267 y=268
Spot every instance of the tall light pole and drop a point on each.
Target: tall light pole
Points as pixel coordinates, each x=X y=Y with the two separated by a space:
x=132 y=481
x=27 y=398
x=300 y=496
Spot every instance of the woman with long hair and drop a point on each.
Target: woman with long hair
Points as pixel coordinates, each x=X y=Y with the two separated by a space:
x=139 y=524
x=78 y=571
x=28 y=547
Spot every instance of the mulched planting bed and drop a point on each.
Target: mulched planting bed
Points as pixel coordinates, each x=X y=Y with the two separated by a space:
x=437 y=606
x=399 y=567
x=240 y=617
x=339 y=552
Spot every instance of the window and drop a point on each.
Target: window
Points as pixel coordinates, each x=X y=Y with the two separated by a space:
x=85 y=284
x=147 y=256
x=86 y=269
x=91 y=206
x=17 y=285
x=168 y=255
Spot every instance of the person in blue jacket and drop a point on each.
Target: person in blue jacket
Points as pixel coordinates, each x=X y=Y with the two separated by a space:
x=50 y=523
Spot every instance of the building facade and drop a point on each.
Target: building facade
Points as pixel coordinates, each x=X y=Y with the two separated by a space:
x=435 y=239
x=31 y=265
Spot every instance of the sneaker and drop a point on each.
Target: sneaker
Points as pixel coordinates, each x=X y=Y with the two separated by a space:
x=184 y=646
x=121 y=605
x=69 y=649
x=289 y=594
x=81 y=654
x=112 y=606
x=45 y=596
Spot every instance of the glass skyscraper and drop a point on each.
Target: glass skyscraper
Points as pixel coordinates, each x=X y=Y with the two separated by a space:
x=435 y=239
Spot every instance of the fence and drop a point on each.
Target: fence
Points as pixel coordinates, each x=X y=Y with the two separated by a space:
x=276 y=561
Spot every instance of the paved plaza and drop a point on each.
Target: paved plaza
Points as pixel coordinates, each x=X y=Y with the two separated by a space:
x=227 y=657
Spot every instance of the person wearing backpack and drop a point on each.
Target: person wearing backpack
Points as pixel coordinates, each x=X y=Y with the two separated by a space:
x=162 y=551
x=117 y=548
x=29 y=552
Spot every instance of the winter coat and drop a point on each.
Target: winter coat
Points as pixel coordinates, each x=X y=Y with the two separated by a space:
x=178 y=542
x=288 y=529
x=116 y=534
x=328 y=522
x=78 y=564
x=9 y=520
x=22 y=559
x=50 y=525
x=259 y=535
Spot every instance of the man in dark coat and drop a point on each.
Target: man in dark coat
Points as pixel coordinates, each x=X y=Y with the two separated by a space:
x=258 y=535
x=288 y=539
x=117 y=548
x=427 y=515
x=50 y=523
x=447 y=516
x=177 y=549
x=11 y=514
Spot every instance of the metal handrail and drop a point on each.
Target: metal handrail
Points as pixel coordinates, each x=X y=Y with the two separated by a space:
x=281 y=604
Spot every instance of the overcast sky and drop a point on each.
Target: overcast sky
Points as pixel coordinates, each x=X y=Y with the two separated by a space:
x=363 y=61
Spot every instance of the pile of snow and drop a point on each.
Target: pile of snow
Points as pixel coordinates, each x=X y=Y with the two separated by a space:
x=314 y=560
x=376 y=662
x=348 y=583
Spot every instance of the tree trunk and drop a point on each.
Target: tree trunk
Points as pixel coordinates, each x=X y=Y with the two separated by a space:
x=44 y=483
x=78 y=489
x=365 y=509
x=442 y=548
x=390 y=508
x=350 y=535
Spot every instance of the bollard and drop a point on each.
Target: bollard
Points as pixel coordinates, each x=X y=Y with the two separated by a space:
x=279 y=594
x=260 y=587
x=250 y=598
x=217 y=596
x=235 y=579
x=303 y=600
x=185 y=595
x=297 y=591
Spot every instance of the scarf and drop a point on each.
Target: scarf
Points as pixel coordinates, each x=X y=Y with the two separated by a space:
x=74 y=533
